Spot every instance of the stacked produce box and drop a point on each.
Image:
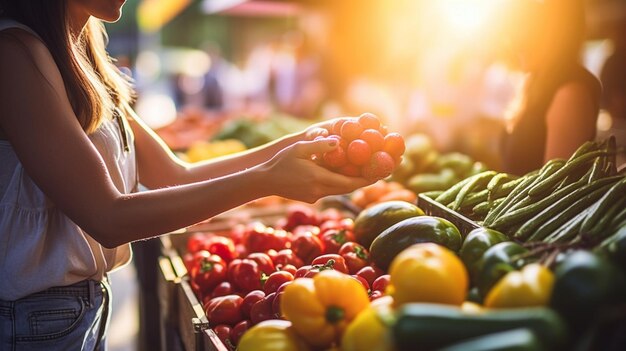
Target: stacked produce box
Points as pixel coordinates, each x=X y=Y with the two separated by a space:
x=493 y=262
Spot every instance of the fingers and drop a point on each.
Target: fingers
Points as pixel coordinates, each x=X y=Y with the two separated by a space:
x=304 y=149
x=316 y=132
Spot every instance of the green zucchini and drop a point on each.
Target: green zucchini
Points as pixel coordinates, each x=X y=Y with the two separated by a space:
x=522 y=339
x=421 y=326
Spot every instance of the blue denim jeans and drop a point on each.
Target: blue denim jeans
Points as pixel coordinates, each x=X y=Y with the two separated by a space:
x=71 y=317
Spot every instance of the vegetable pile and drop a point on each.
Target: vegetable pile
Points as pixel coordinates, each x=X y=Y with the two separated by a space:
x=545 y=271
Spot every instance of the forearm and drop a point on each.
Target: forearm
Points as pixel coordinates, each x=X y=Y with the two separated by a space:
x=146 y=214
x=237 y=162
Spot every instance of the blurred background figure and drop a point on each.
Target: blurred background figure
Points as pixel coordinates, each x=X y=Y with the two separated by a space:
x=558 y=106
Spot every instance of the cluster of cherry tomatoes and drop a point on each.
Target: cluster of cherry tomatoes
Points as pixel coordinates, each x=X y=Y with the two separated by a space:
x=365 y=148
x=240 y=276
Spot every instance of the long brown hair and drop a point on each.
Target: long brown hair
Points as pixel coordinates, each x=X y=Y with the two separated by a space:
x=93 y=84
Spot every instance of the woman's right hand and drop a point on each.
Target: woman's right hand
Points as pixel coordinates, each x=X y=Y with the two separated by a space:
x=292 y=174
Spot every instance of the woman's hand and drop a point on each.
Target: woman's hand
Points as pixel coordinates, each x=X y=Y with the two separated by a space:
x=292 y=173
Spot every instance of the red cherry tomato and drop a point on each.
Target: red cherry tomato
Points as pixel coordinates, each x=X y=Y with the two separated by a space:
x=275 y=280
x=289 y=268
x=370 y=273
x=381 y=283
x=394 y=144
x=223 y=333
x=356 y=256
x=221 y=246
x=369 y=120
x=224 y=310
x=238 y=330
x=373 y=138
x=249 y=300
x=195 y=242
x=307 y=246
x=260 y=238
x=264 y=261
x=262 y=310
x=245 y=275
x=330 y=261
x=333 y=239
x=222 y=289
x=208 y=272
x=287 y=257
x=351 y=129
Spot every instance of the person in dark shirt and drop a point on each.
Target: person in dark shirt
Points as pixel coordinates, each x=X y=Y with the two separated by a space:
x=558 y=107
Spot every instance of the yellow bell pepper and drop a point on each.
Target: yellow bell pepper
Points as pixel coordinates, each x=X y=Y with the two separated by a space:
x=272 y=335
x=369 y=331
x=532 y=286
x=320 y=308
x=427 y=272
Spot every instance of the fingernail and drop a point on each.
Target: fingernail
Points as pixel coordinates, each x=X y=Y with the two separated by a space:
x=332 y=143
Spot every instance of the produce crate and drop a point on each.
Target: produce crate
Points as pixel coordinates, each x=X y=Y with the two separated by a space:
x=434 y=208
x=179 y=303
x=167 y=282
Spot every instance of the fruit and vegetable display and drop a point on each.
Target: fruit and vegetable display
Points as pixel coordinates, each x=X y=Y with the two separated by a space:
x=545 y=268
x=424 y=169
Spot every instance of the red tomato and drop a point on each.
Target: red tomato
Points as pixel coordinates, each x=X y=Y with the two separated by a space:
x=307 y=246
x=335 y=158
x=359 y=152
x=223 y=333
x=208 y=272
x=264 y=261
x=224 y=310
x=221 y=246
x=330 y=261
x=351 y=129
x=336 y=128
x=333 y=239
x=373 y=138
x=370 y=273
x=287 y=257
x=369 y=120
x=238 y=330
x=394 y=144
x=346 y=223
x=299 y=214
x=260 y=238
x=350 y=170
x=222 y=289
x=305 y=272
x=275 y=280
x=262 y=310
x=328 y=214
x=381 y=283
x=362 y=281
x=245 y=275
x=289 y=268
x=356 y=256
x=249 y=300
x=195 y=242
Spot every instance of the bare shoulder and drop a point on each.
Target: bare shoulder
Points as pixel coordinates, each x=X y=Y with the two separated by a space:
x=574 y=92
x=22 y=52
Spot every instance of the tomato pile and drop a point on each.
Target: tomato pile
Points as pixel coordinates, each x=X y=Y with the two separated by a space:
x=365 y=148
x=241 y=276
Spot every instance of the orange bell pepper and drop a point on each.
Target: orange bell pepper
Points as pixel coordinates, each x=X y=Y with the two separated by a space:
x=320 y=308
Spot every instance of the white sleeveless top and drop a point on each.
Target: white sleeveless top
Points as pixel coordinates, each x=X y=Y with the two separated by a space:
x=40 y=247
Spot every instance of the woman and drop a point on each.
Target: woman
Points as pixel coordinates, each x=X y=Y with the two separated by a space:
x=558 y=107
x=72 y=153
